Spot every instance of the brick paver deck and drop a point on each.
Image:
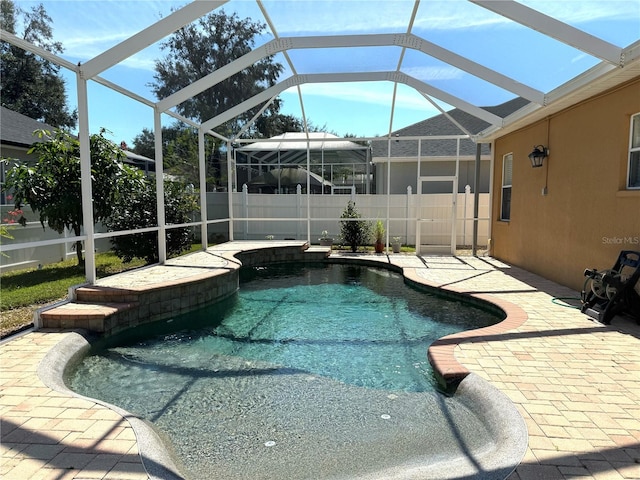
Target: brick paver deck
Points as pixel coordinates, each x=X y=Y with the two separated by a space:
x=575 y=382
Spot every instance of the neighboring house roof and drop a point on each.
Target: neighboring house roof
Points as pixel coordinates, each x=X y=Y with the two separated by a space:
x=442 y=125
x=140 y=161
x=17 y=129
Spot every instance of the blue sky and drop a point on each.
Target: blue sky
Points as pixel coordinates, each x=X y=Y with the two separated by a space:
x=88 y=27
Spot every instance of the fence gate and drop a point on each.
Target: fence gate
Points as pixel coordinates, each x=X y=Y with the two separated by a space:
x=436 y=216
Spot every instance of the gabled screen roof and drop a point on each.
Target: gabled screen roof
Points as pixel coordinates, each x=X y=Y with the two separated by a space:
x=395 y=57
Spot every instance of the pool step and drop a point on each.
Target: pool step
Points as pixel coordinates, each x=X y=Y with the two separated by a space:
x=91 y=309
x=103 y=294
x=95 y=317
x=107 y=309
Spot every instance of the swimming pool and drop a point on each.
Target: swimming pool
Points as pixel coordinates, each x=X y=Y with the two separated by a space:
x=308 y=372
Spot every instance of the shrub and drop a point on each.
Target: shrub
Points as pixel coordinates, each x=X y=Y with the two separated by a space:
x=139 y=211
x=354 y=232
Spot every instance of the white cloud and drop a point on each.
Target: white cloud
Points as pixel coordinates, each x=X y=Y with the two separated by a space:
x=581 y=11
x=434 y=73
x=373 y=93
x=579 y=57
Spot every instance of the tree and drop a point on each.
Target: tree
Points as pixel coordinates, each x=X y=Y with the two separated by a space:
x=139 y=211
x=205 y=46
x=180 y=153
x=31 y=85
x=53 y=186
x=354 y=232
x=202 y=47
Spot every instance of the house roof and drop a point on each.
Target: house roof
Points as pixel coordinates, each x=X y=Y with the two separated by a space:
x=17 y=129
x=442 y=125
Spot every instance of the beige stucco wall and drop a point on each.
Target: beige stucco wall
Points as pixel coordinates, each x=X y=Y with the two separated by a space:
x=587 y=215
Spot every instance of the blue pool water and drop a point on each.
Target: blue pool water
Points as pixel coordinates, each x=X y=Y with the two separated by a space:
x=329 y=356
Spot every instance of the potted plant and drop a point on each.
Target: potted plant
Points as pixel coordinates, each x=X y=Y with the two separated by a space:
x=325 y=239
x=396 y=244
x=379 y=231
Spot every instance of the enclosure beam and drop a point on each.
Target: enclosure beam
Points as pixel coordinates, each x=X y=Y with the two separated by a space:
x=405 y=41
x=85 y=181
x=230 y=172
x=476 y=200
x=553 y=28
x=160 y=210
x=39 y=51
x=150 y=35
x=399 y=77
x=203 y=190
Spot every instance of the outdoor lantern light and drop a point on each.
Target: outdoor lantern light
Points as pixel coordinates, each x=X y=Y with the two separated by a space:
x=540 y=152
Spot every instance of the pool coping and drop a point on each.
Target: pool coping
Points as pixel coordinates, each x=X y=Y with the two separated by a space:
x=503 y=418
x=157 y=459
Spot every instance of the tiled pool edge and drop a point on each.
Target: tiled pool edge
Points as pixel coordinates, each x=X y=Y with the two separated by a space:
x=441 y=354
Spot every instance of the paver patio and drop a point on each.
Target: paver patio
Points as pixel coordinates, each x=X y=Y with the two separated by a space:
x=575 y=382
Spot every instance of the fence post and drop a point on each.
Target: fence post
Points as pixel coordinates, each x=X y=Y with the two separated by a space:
x=467 y=192
x=298 y=209
x=245 y=209
x=406 y=215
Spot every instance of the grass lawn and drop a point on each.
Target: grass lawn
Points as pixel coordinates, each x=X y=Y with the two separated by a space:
x=24 y=291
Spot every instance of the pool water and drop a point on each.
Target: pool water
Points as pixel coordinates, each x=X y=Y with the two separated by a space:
x=304 y=366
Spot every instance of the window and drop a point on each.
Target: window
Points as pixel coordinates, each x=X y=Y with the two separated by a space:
x=633 y=177
x=507 y=165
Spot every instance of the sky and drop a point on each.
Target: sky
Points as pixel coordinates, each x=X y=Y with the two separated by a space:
x=88 y=27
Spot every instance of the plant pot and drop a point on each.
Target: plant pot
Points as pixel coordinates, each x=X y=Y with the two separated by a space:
x=396 y=247
x=326 y=242
x=379 y=246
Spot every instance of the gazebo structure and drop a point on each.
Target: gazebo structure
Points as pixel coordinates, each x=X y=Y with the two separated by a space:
x=608 y=60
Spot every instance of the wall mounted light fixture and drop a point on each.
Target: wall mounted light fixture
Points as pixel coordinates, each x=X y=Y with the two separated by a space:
x=540 y=152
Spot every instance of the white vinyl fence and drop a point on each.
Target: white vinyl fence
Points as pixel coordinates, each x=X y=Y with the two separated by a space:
x=294 y=216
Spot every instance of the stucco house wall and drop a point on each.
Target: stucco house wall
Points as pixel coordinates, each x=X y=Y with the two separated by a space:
x=587 y=214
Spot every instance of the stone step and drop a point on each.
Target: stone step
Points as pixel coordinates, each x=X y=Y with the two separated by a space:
x=103 y=294
x=205 y=278
x=90 y=316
